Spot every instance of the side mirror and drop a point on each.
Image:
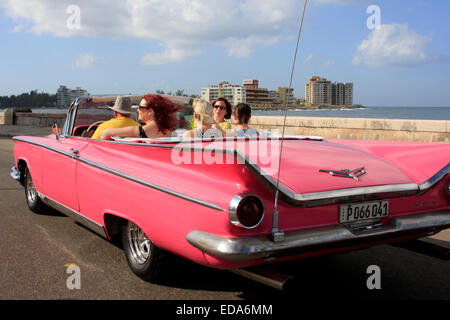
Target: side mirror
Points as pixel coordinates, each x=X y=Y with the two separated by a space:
x=56 y=131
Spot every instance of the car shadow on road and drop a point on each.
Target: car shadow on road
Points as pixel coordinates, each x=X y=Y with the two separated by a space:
x=313 y=278
x=49 y=211
x=340 y=277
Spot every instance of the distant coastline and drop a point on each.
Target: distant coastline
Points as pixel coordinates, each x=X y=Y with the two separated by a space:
x=419 y=113
x=266 y=107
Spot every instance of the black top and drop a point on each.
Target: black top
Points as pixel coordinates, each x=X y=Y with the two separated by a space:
x=142 y=132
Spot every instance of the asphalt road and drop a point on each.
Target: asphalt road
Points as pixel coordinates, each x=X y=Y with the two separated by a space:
x=36 y=250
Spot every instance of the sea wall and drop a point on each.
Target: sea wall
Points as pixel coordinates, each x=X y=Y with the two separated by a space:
x=9 y=116
x=359 y=128
x=39 y=119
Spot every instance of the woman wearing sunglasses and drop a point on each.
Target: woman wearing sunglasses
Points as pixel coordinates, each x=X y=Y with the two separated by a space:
x=222 y=112
x=158 y=114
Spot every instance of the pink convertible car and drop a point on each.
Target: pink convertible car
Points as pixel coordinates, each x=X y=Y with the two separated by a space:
x=212 y=201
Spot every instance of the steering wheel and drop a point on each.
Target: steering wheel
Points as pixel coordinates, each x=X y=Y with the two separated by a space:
x=94 y=124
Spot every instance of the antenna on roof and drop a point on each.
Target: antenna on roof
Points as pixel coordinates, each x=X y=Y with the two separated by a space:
x=278 y=235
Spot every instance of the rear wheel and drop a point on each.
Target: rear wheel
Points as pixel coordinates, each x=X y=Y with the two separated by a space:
x=144 y=258
x=34 y=203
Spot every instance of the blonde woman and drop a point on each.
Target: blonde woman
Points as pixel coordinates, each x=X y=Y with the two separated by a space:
x=205 y=125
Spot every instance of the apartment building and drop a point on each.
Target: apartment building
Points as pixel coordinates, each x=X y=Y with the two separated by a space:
x=249 y=92
x=233 y=93
x=320 y=91
x=286 y=95
x=254 y=94
x=65 y=95
x=275 y=96
x=348 y=94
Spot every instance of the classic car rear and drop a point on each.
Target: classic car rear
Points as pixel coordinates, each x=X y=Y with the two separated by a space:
x=213 y=201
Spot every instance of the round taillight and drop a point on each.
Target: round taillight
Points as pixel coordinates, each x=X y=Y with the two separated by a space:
x=246 y=211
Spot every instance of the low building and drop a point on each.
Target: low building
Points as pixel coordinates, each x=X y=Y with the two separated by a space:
x=286 y=95
x=275 y=96
x=254 y=94
x=233 y=93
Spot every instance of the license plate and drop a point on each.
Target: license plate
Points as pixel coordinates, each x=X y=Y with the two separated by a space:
x=363 y=211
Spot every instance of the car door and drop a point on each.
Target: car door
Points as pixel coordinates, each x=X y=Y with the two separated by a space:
x=59 y=164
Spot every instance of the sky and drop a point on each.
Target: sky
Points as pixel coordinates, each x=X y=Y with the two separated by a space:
x=396 y=52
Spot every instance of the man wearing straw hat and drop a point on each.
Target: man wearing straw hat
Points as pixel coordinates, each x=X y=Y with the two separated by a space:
x=122 y=113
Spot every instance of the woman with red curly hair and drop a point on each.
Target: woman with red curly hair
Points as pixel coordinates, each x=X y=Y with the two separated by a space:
x=158 y=114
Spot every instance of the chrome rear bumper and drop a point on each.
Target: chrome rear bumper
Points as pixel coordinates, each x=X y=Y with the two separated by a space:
x=303 y=241
x=15 y=174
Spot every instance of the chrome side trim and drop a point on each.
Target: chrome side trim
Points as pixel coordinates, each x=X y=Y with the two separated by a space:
x=88 y=223
x=15 y=174
x=67 y=154
x=315 y=239
x=126 y=176
x=425 y=186
x=151 y=185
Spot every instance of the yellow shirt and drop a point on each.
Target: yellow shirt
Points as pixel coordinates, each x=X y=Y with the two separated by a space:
x=119 y=122
x=225 y=125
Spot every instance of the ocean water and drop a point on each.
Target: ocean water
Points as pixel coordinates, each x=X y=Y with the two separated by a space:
x=424 y=113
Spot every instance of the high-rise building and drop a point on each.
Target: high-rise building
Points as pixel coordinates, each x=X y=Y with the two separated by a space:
x=65 y=96
x=348 y=94
x=233 y=93
x=320 y=91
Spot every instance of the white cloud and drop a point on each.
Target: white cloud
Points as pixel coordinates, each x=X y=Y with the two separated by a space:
x=330 y=62
x=392 y=45
x=86 y=61
x=241 y=47
x=182 y=27
x=341 y=1
x=168 y=55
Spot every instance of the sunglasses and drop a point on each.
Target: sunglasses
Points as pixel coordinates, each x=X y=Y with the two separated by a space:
x=220 y=107
x=141 y=107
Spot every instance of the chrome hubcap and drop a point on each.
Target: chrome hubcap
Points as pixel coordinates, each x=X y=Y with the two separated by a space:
x=139 y=243
x=31 y=190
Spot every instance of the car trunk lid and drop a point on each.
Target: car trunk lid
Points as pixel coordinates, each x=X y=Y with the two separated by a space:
x=306 y=166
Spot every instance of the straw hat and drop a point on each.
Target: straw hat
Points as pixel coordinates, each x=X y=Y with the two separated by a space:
x=122 y=105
